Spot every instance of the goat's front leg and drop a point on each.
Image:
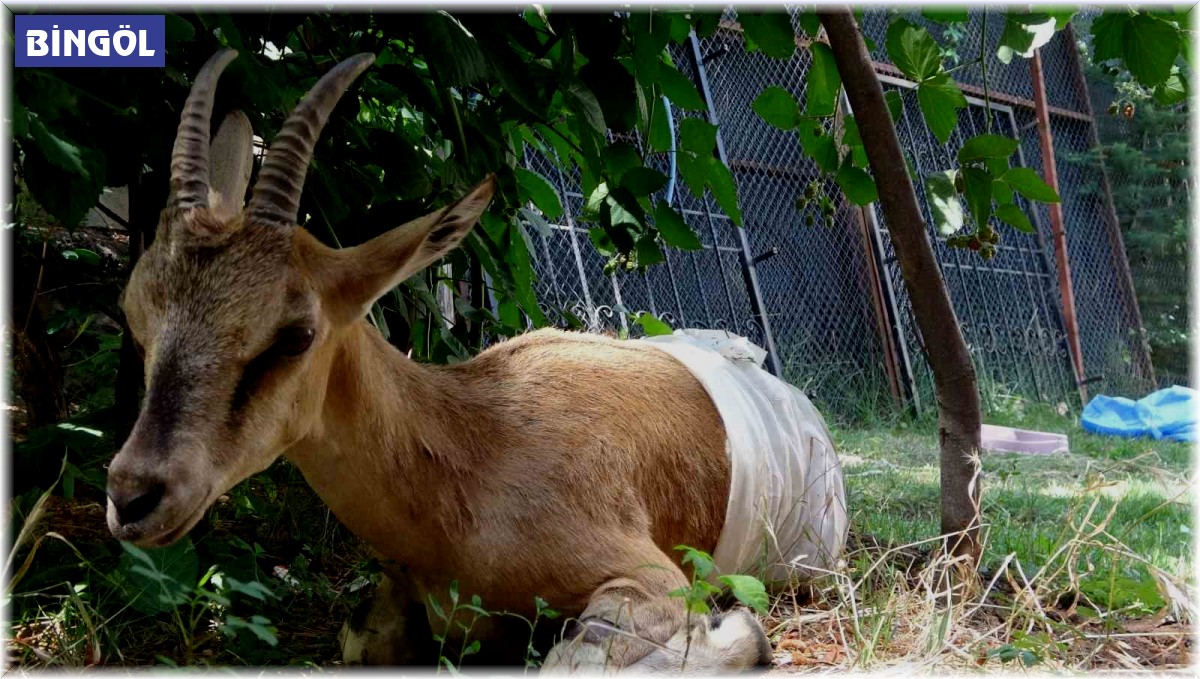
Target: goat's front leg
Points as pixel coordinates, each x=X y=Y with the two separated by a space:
x=389 y=628
x=632 y=623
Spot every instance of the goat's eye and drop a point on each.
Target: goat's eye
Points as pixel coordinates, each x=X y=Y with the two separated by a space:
x=294 y=341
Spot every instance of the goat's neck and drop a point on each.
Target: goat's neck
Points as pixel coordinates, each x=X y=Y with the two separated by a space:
x=390 y=453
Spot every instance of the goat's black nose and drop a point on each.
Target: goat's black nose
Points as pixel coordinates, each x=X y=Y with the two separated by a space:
x=135 y=506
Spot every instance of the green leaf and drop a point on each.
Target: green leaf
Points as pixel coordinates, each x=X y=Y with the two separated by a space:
x=1173 y=90
x=778 y=107
x=619 y=214
x=651 y=325
x=858 y=186
x=1062 y=15
x=1108 y=36
x=707 y=171
x=697 y=136
x=823 y=81
x=60 y=152
x=449 y=49
x=534 y=188
x=643 y=181
x=702 y=562
x=850 y=134
x=940 y=99
x=660 y=126
x=680 y=28
x=647 y=250
x=818 y=144
x=679 y=89
x=770 y=31
x=252 y=588
x=601 y=241
x=945 y=15
x=977 y=188
x=694 y=170
x=706 y=23
x=1151 y=47
x=852 y=139
x=178 y=29
x=82 y=255
x=1148 y=45
x=1027 y=183
x=943 y=202
x=159 y=580
x=720 y=181
x=913 y=50
x=591 y=207
x=1000 y=192
x=619 y=158
x=748 y=590
x=539 y=222
x=997 y=165
x=1024 y=33
x=987 y=146
x=256 y=626
x=584 y=104
x=21 y=121
x=673 y=229
x=1015 y=217
x=810 y=23
x=651 y=33
x=615 y=90
x=895 y=104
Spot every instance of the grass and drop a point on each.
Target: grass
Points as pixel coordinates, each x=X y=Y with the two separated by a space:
x=1086 y=557
x=892 y=479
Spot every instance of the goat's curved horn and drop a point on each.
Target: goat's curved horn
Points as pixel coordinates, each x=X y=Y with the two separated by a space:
x=276 y=196
x=189 y=158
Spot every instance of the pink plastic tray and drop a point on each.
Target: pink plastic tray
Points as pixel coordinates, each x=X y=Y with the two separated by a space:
x=1008 y=440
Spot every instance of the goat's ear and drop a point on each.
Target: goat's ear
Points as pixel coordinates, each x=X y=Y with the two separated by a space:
x=231 y=159
x=352 y=279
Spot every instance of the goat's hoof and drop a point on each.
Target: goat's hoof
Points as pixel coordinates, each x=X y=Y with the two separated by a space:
x=728 y=642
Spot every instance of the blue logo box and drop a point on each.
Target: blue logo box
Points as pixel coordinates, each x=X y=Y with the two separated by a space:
x=91 y=40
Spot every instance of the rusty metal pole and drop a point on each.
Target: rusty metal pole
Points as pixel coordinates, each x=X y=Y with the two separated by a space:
x=1050 y=170
x=1113 y=224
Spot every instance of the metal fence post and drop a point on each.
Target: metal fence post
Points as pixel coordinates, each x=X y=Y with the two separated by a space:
x=1113 y=224
x=749 y=270
x=1066 y=287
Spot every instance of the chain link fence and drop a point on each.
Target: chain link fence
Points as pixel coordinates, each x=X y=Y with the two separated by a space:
x=824 y=289
x=1145 y=151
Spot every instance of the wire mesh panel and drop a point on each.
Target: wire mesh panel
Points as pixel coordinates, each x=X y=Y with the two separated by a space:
x=961 y=45
x=986 y=299
x=701 y=289
x=815 y=289
x=1113 y=349
x=1006 y=305
x=831 y=292
x=1146 y=156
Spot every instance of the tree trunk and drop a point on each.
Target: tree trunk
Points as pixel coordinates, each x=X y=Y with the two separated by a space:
x=953 y=373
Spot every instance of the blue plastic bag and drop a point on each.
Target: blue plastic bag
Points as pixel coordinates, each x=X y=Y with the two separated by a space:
x=1167 y=413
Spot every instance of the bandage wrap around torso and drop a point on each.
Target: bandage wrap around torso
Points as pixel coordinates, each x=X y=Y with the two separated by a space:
x=786 y=516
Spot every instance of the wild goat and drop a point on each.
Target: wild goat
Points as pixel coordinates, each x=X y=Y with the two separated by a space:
x=561 y=465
